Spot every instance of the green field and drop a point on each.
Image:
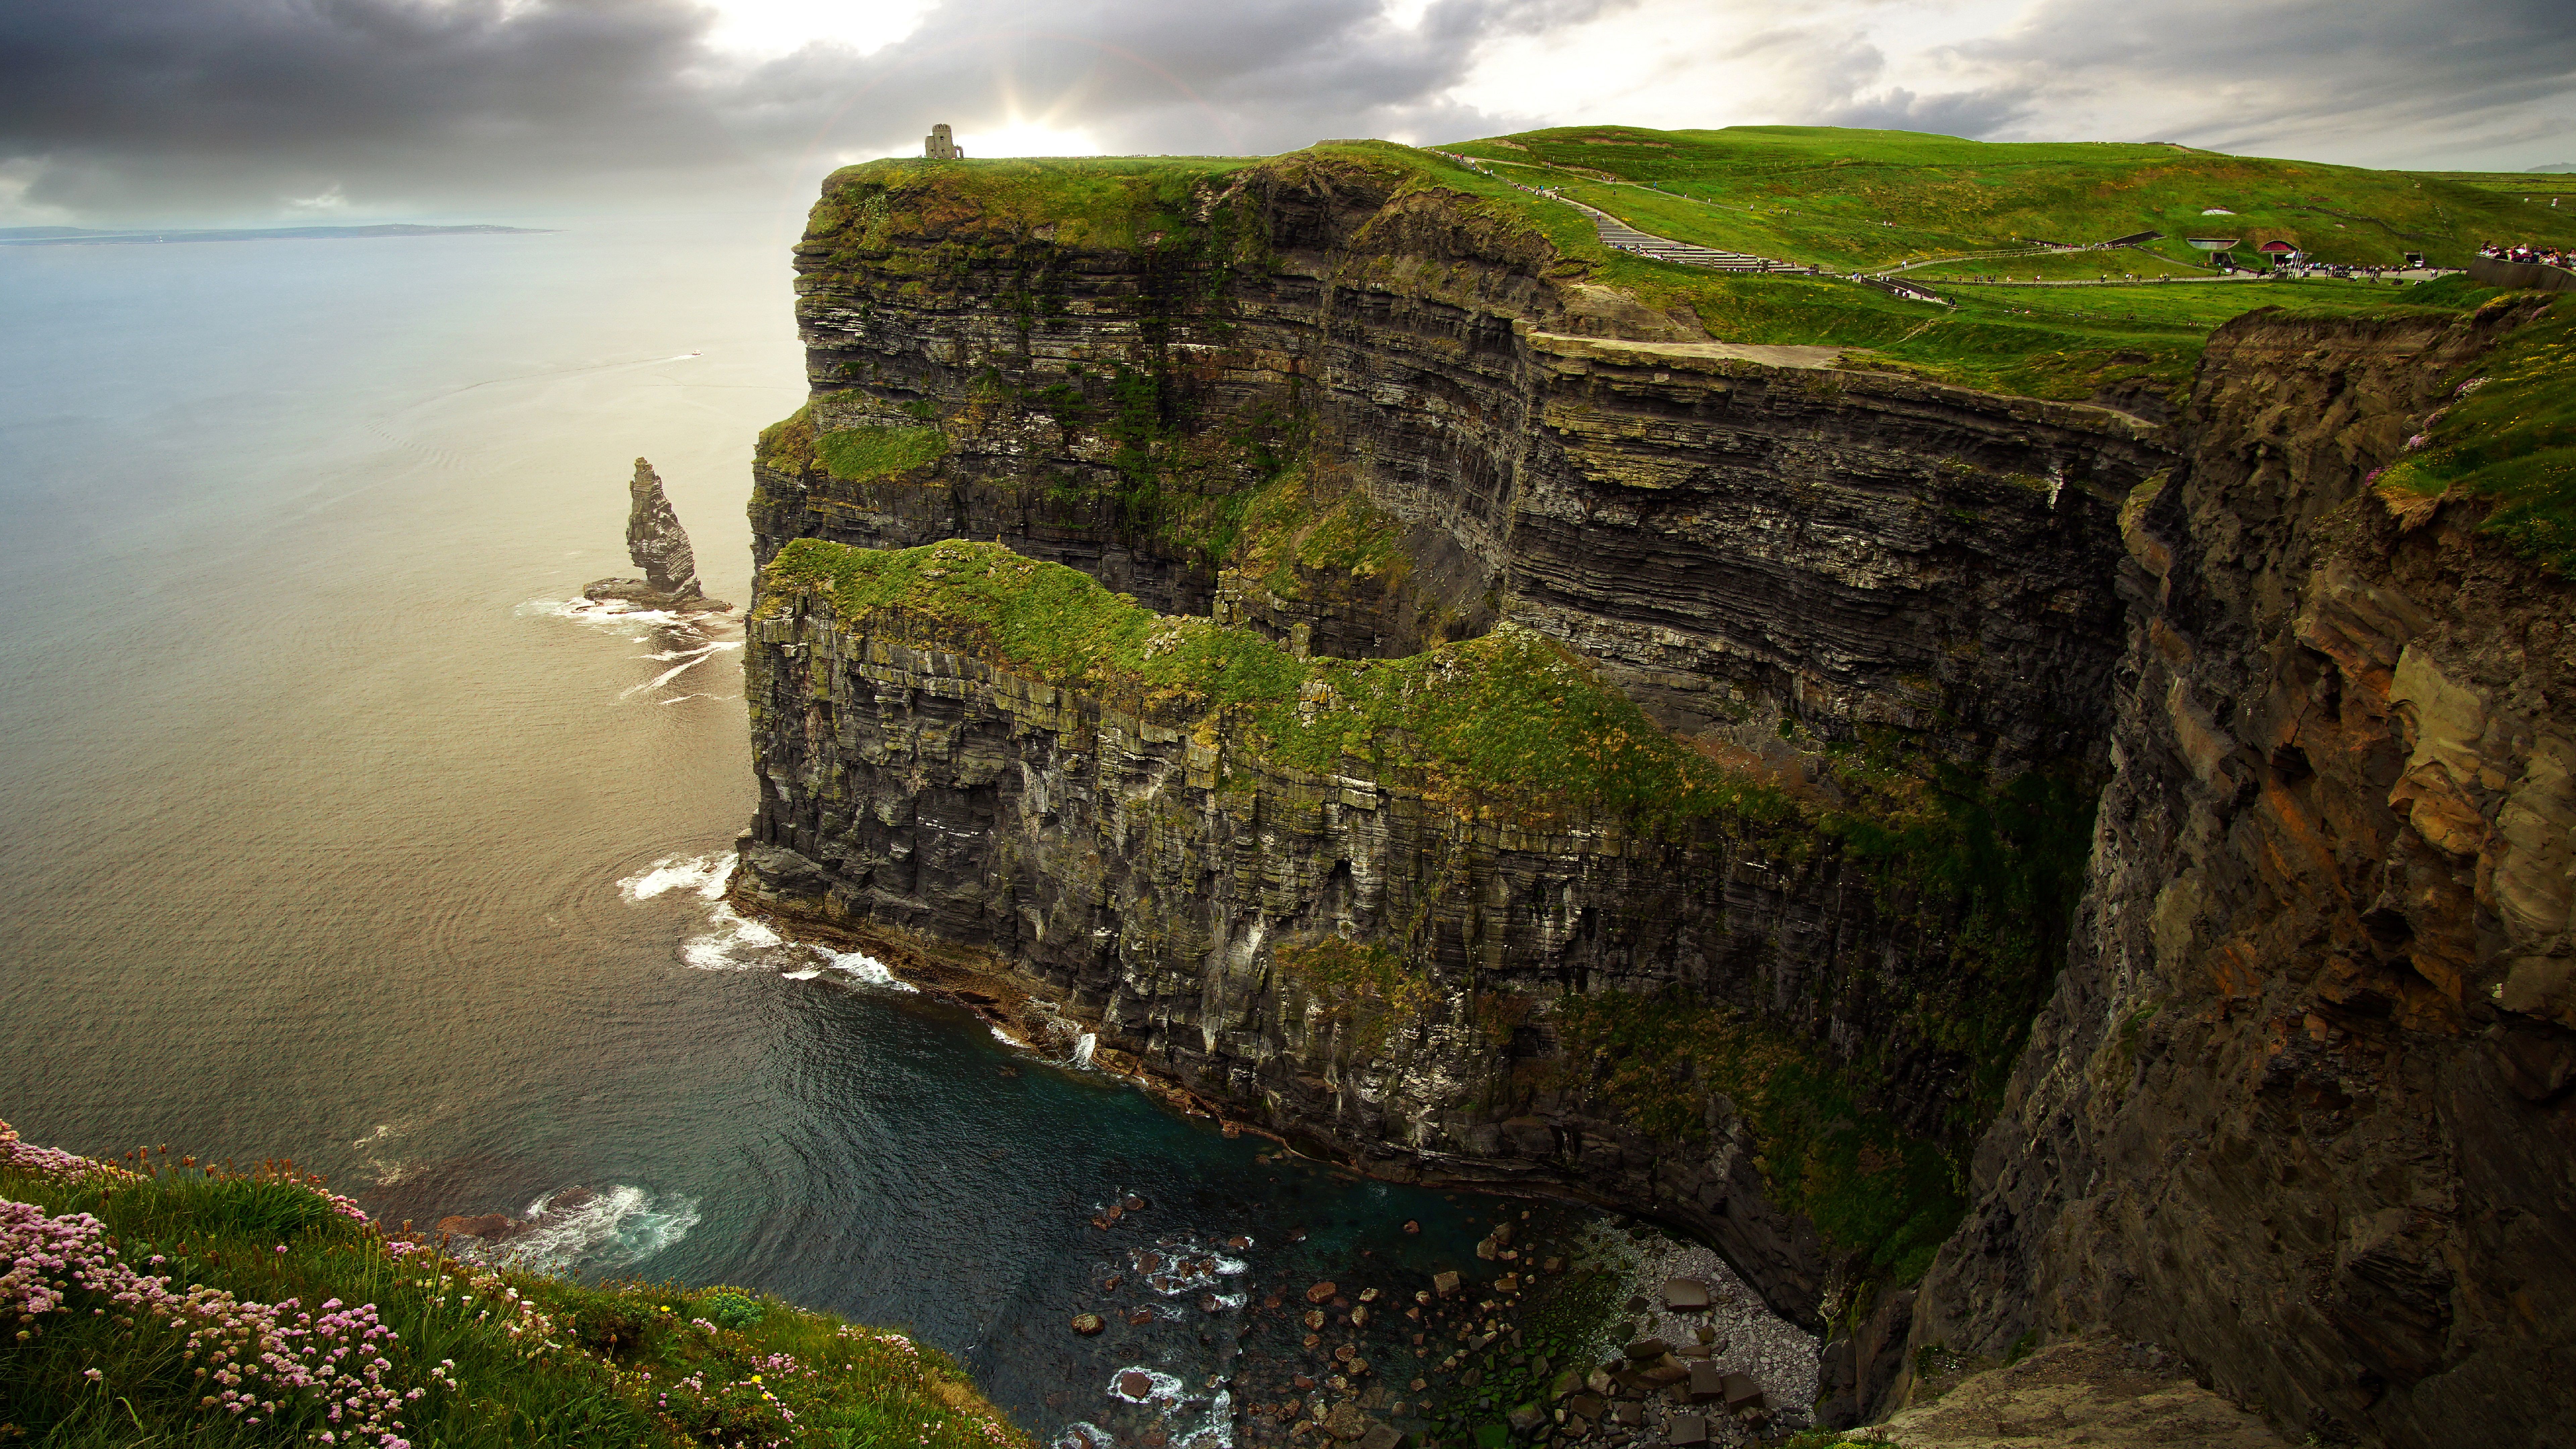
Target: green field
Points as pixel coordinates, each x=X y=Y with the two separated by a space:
x=1867 y=199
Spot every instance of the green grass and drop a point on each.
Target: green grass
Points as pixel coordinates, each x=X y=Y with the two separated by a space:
x=534 y=1360
x=2511 y=437
x=860 y=455
x=1859 y=198
x=2119 y=264
x=1870 y=1187
x=1507 y=727
x=1102 y=202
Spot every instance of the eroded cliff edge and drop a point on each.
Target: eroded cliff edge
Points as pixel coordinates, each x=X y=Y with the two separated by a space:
x=2300 y=1105
x=1394 y=453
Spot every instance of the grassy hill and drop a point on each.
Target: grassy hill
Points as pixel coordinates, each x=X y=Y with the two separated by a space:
x=1850 y=199
x=154 y=1301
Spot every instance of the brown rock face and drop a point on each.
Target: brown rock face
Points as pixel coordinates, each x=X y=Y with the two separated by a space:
x=2299 y=1109
x=654 y=538
x=660 y=547
x=2299 y=1106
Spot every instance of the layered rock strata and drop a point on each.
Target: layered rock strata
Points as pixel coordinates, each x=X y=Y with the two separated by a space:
x=660 y=547
x=1744 y=535
x=2300 y=1108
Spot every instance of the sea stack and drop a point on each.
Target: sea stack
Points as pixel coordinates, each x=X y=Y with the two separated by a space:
x=660 y=547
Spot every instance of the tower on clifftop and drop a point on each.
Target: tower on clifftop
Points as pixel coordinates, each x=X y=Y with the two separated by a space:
x=939 y=145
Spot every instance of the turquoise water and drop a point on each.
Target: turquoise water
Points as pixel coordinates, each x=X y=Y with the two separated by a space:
x=335 y=835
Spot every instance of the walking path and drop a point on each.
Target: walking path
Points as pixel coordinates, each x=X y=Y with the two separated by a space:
x=1616 y=233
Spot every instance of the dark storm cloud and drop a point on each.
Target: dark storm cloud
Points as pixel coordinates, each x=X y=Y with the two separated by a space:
x=2257 y=77
x=182 y=107
x=179 y=105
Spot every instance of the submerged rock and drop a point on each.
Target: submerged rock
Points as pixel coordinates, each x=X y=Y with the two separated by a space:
x=660 y=547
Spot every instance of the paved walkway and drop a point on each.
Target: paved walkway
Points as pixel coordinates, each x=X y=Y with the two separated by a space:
x=1617 y=233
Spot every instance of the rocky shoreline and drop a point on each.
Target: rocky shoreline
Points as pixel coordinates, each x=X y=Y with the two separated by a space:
x=1565 y=1329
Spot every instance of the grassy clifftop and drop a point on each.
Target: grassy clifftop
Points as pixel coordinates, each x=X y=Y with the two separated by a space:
x=156 y=1301
x=1859 y=198
x=1804 y=195
x=1505 y=727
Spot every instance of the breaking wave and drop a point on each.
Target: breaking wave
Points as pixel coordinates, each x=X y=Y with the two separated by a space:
x=574 y=1229
x=704 y=874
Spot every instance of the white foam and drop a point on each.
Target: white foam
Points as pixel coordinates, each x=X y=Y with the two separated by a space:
x=1082 y=1051
x=1081 y=1434
x=704 y=874
x=1164 y=1388
x=732 y=944
x=1217 y=1431
x=860 y=966
x=692 y=661
x=1179 y=1272
x=618 y=1227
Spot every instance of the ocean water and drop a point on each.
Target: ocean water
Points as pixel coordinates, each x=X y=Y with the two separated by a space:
x=335 y=832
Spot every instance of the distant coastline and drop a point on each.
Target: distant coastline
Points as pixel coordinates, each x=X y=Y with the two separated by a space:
x=61 y=236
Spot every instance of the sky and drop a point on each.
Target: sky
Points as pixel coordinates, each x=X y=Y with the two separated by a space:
x=262 y=112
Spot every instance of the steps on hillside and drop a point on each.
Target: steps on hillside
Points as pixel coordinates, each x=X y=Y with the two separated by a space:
x=1617 y=233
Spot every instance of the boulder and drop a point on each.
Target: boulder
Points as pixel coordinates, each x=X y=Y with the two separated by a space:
x=1525 y=1420
x=1346 y=1422
x=487 y=1225
x=1665 y=1370
x=1088 y=1324
x=1685 y=1293
x=1742 y=1392
x=1687 y=1429
x=1444 y=1284
x=1647 y=1350
x=1707 y=1381
x=1382 y=1436
x=1322 y=1292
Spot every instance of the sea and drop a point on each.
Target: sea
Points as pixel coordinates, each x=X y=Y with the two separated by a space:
x=340 y=829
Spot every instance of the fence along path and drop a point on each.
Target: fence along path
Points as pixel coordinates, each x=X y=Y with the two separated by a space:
x=1617 y=233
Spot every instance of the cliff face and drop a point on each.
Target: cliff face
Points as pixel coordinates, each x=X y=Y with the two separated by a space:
x=2299 y=1108
x=1740 y=534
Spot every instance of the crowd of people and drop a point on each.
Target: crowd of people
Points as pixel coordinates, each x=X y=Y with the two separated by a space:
x=2551 y=257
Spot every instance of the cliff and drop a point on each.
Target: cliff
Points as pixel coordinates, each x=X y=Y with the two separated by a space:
x=2299 y=1108
x=1444 y=711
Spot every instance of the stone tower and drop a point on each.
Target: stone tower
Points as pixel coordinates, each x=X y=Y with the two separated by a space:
x=939 y=145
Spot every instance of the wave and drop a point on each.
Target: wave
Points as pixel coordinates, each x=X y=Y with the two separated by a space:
x=733 y=942
x=388 y=1169
x=1082 y=1434
x=690 y=659
x=613 y=1229
x=704 y=874
x=1184 y=1267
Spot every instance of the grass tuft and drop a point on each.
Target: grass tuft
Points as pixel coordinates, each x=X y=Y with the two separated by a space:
x=861 y=455
x=467 y=1355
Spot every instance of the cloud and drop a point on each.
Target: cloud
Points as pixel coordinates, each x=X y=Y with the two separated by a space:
x=203 y=109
